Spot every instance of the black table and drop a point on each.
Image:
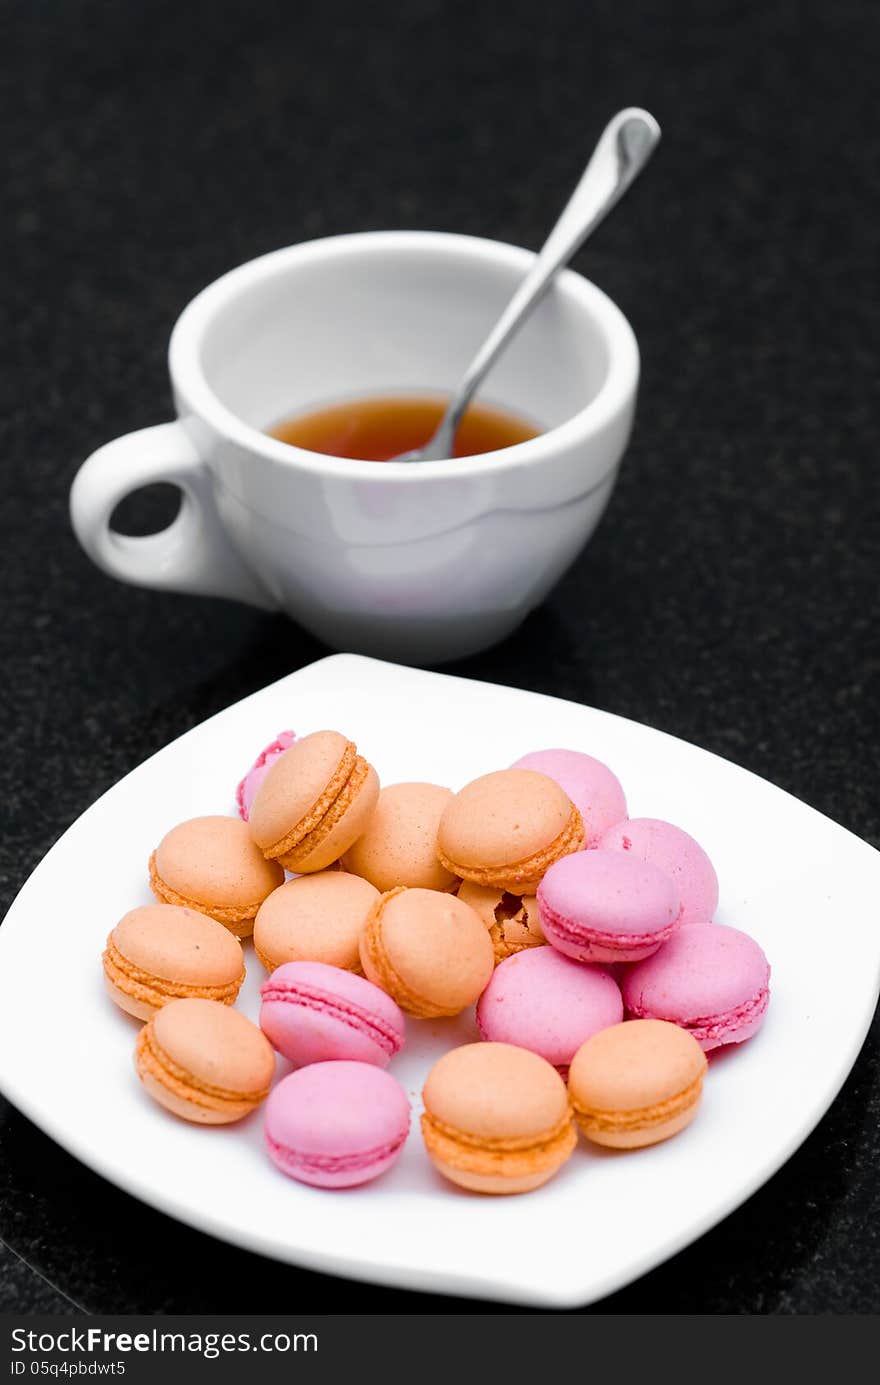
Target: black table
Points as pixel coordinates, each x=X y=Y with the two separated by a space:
x=728 y=598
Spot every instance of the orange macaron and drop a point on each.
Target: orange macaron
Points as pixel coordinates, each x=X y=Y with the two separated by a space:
x=204 y=1062
x=636 y=1083
x=315 y=918
x=399 y=846
x=161 y=952
x=430 y=952
x=212 y=865
x=314 y=803
x=497 y=1118
x=512 y=920
x=505 y=829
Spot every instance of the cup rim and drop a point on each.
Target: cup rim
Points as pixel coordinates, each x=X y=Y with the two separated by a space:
x=188 y=378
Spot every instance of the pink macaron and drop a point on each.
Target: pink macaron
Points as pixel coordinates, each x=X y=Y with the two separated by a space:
x=543 y=1001
x=592 y=788
x=335 y=1125
x=247 y=789
x=313 y=1013
x=714 y=982
x=674 y=851
x=607 y=906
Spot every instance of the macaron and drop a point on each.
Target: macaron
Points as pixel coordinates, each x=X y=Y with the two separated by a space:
x=399 y=846
x=593 y=789
x=607 y=906
x=429 y=951
x=204 y=1062
x=637 y=1083
x=314 y=803
x=543 y=1001
x=714 y=982
x=315 y=918
x=335 y=1125
x=513 y=921
x=314 y=1013
x=161 y=952
x=211 y=864
x=247 y=789
x=674 y=851
x=497 y=1118
x=507 y=828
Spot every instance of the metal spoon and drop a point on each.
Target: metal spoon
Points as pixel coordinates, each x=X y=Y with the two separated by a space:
x=624 y=147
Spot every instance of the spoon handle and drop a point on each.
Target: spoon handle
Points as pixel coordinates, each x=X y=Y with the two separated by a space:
x=624 y=147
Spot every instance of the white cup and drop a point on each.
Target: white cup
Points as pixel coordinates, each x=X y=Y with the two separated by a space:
x=421 y=562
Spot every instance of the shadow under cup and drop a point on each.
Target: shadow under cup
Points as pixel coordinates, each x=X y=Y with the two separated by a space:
x=416 y=562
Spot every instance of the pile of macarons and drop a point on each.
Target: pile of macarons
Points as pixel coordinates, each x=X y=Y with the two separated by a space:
x=583 y=939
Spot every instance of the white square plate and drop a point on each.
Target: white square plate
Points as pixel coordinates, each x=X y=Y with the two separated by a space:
x=804 y=887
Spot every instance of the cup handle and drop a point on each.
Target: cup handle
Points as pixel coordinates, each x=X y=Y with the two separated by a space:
x=194 y=553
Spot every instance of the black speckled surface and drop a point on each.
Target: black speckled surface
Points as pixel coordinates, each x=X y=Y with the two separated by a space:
x=730 y=596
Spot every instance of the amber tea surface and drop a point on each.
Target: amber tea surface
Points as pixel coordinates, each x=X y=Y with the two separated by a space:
x=377 y=429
